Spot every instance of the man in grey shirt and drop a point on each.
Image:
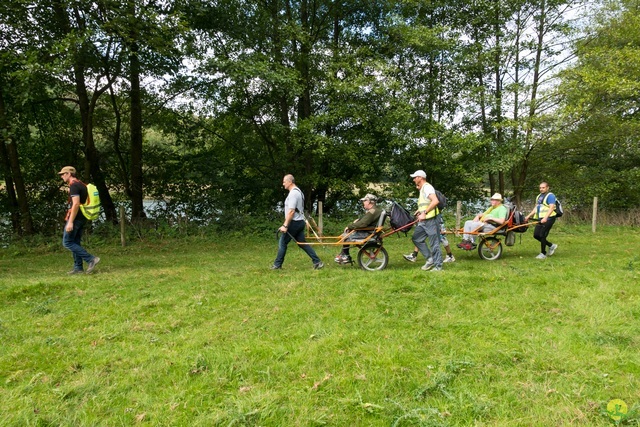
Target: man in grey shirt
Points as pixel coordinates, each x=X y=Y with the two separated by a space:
x=294 y=224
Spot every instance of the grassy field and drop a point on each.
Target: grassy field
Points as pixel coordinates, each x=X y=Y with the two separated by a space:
x=199 y=332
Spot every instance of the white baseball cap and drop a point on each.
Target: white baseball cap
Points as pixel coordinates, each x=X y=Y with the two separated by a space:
x=419 y=172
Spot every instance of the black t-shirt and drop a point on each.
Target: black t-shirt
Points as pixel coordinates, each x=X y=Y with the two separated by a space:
x=77 y=188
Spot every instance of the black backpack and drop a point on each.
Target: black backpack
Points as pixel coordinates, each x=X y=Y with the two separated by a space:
x=442 y=200
x=519 y=219
x=559 y=210
x=400 y=217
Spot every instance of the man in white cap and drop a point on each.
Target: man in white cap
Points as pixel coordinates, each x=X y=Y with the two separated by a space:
x=75 y=221
x=428 y=226
x=369 y=219
x=488 y=220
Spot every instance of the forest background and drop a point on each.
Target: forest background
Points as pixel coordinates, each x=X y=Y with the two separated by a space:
x=205 y=105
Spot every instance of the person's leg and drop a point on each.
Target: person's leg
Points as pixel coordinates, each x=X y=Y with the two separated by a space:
x=68 y=242
x=72 y=241
x=285 y=238
x=470 y=226
x=296 y=229
x=433 y=233
x=540 y=234
x=552 y=246
x=537 y=231
x=445 y=244
x=352 y=237
x=544 y=233
x=413 y=256
x=487 y=228
x=419 y=237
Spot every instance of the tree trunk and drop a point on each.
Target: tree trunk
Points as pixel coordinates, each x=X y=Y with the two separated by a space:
x=498 y=88
x=137 y=207
x=519 y=173
x=92 y=157
x=304 y=103
x=87 y=106
x=21 y=193
x=14 y=209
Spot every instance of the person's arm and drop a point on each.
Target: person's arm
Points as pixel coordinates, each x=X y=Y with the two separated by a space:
x=434 y=202
x=499 y=220
x=366 y=221
x=532 y=213
x=73 y=212
x=288 y=217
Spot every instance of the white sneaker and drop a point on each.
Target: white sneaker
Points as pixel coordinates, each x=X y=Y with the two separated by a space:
x=541 y=256
x=410 y=257
x=449 y=258
x=552 y=249
x=428 y=266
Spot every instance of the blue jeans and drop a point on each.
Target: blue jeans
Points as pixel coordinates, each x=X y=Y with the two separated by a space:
x=72 y=240
x=295 y=231
x=429 y=229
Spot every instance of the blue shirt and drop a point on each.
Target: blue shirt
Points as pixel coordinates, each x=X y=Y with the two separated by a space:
x=551 y=200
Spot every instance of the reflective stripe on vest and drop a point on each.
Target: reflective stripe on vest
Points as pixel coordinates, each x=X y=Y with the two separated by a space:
x=544 y=207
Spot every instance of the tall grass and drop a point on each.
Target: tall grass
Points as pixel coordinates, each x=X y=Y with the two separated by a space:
x=613 y=217
x=200 y=332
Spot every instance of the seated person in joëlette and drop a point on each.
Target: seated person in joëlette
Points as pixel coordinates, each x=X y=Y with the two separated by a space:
x=493 y=217
x=368 y=220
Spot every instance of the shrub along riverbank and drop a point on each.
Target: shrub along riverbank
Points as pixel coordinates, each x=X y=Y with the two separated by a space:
x=199 y=332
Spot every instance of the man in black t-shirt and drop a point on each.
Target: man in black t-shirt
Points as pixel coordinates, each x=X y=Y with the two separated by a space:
x=75 y=221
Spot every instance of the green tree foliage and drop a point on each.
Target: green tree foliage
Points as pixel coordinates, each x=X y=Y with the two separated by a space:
x=206 y=105
x=599 y=154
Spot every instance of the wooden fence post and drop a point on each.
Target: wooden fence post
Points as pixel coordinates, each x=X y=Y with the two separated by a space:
x=594 y=218
x=123 y=239
x=458 y=214
x=320 y=223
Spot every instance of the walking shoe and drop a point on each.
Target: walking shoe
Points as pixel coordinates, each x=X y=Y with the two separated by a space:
x=343 y=259
x=467 y=245
x=92 y=264
x=435 y=269
x=74 y=271
x=552 y=249
x=275 y=267
x=428 y=266
x=411 y=257
x=449 y=258
x=541 y=256
x=318 y=266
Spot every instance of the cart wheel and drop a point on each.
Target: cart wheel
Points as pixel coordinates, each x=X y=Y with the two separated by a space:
x=490 y=248
x=373 y=258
